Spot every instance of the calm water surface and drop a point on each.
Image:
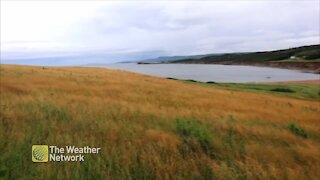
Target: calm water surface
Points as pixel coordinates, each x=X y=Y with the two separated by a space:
x=217 y=73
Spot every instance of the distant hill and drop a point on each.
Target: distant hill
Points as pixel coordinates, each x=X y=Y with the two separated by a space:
x=303 y=58
x=174 y=58
x=300 y=53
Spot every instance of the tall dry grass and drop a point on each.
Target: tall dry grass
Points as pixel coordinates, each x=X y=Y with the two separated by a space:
x=151 y=128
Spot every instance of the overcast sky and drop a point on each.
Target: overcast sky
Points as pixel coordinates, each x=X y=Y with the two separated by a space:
x=110 y=31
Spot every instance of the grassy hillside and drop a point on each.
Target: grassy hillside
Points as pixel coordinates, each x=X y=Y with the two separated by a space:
x=152 y=128
x=301 y=91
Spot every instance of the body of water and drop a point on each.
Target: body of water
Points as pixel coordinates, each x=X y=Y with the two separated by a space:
x=216 y=73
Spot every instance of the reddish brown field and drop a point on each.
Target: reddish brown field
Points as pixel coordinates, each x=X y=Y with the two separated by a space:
x=152 y=128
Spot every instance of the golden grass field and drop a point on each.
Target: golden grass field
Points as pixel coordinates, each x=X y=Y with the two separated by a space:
x=151 y=128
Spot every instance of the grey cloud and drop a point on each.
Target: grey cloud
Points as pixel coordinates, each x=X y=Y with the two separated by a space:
x=186 y=28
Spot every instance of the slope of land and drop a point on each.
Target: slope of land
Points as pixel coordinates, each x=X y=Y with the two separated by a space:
x=152 y=128
x=306 y=82
x=297 y=89
x=304 y=58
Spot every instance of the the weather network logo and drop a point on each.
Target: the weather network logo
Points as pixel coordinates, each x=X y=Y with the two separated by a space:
x=40 y=153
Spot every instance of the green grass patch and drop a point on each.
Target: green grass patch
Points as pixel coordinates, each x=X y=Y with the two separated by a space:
x=297 y=131
x=52 y=112
x=310 y=92
x=191 y=130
